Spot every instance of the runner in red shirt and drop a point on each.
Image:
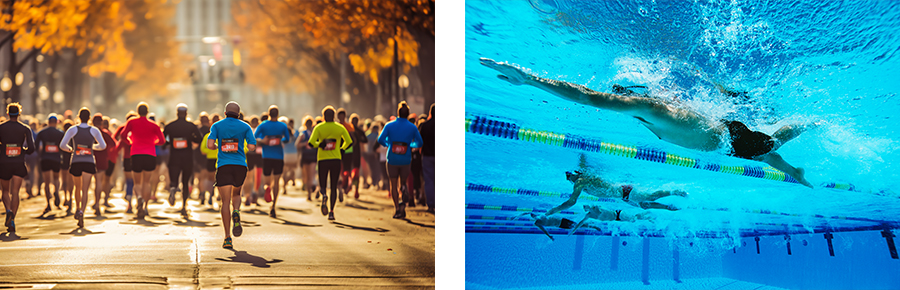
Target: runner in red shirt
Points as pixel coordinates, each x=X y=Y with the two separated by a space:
x=145 y=135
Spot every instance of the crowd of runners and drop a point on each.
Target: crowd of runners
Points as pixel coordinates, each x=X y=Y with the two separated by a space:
x=222 y=160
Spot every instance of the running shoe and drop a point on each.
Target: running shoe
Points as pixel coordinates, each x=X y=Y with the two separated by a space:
x=56 y=200
x=184 y=212
x=48 y=209
x=227 y=243
x=202 y=199
x=397 y=215
x=324 y=205
x=8 y=217
x=331 y=216
x=236 y=227
x=210 y=198
x=172 y=197
x=11 y=227
x=272 y=213
x=80 y=217
x=356 y=195
x=129 y=209
x=341 y=195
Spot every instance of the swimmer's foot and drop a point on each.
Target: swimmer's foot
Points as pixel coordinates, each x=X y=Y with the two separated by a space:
x=801 y=173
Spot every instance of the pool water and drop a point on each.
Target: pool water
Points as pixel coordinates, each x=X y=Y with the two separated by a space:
x=796 y=62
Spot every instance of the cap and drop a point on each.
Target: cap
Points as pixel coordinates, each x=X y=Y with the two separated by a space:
x=52 y=118
x=182 y=107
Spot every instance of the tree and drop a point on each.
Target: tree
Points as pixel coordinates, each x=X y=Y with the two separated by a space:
x=299 y=43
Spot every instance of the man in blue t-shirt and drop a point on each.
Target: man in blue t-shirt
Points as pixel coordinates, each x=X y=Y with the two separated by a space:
x=270 y=135
x=398 y=137
x=229 y=136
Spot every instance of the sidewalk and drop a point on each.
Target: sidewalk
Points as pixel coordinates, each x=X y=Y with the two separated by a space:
x=363 y=248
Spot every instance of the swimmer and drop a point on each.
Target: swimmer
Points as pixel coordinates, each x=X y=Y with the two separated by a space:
x=542 y=221
x=596 y=186
x=597 y=212
x=669 y=122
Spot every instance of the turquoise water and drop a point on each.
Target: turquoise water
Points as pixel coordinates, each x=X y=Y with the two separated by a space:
x=798 y=61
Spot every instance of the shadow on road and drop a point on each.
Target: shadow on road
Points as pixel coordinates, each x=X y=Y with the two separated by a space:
x=138 y=222
x=303 y=211
x=290 y=223
x=418 y=224
x=191 y=223
x=80 y=232
x=9 y=237
x=356 y=206
x=255 y=261
x=256 y=212
x=352 y=227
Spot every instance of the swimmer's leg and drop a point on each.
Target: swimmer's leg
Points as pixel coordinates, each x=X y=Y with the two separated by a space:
x=584 y=220
x=776 y=161
x=656 y=205
x=789 y=132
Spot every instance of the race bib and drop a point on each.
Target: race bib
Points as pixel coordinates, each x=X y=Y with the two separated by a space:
x=258 y=149
x=179 y=143
x=81 y=150
x=51 y=148
x=229 y=145
x=330 y=144
x=13 y=150
x=274 y=142
x=399 y=148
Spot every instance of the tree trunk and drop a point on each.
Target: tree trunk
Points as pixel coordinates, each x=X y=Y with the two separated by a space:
x=426 y=68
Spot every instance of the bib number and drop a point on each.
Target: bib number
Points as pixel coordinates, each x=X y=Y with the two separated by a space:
x=179 y=143
x=258 y=149
x=81 y=150
x=51 y=148
x=330 y=144
x=274 y=142
x=13 y=150
x=230 y=145
x=399 y=148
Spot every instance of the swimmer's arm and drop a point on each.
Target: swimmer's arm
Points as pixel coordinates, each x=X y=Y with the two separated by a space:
x=584 y=220
x=581 y=94
x=579 y=187
x=545 y=232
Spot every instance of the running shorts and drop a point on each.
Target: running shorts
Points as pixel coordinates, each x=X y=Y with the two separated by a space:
x=232 y=175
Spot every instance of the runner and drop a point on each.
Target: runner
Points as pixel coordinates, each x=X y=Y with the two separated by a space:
x=346 y=155
x=307 y=158
x=208 y=168
x=112 y=155
x=359 y=137
x=254 y=161
x=144 y=138
x=325 y=136
x=83 y=167
x=398 y=136
x=101 y=159
x=17 y=140
x=181 y=136
x=271 y=134
x=427 y=131
x=125 y=147
x=48 y=142
x=31 y=162
x=66 y=175
x=291 y=157
x=231 y=168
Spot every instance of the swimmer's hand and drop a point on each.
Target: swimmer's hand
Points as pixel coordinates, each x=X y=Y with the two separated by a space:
x=510 y=73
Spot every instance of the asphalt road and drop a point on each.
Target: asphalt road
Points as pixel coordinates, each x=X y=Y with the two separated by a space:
x=364 y=248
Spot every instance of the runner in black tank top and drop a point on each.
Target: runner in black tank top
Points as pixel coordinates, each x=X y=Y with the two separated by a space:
x=48 y=143
x=16 y=140
x=181 y=136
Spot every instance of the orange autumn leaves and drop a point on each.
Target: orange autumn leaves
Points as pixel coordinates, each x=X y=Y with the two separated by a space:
x=109 y=35
x=282 y=36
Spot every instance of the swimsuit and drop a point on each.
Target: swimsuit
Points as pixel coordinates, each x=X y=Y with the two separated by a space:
x=748 y=144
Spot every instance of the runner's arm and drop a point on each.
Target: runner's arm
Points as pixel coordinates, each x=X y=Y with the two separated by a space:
x=249 y=137
x=29 y=140
x=313 y=140
x=347 y=141
x=64 y=143
x=99 y=137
